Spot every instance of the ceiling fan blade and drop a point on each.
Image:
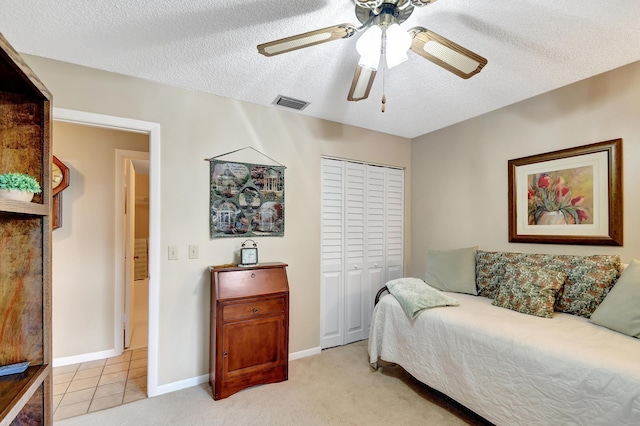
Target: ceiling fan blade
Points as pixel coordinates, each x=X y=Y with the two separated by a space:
x=361 y=84
x=449 y=55
x=303 y=40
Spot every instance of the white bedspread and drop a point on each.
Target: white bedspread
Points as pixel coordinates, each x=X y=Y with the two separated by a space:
x=512 y=368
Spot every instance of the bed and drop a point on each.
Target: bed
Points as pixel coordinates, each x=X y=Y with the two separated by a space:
x=511 y=368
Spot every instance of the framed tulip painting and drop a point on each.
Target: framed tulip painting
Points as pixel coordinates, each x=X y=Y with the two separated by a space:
x=571 y=196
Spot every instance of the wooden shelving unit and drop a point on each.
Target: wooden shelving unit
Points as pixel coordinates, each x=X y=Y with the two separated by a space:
x=25 y=245
x=16 y=392
x=10 y=206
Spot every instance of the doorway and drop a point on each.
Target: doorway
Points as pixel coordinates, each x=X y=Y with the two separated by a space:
x=139 y=313
x=132 y=217
x=152 y=130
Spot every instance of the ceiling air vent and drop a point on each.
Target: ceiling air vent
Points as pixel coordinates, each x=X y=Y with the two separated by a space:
x=286 y=102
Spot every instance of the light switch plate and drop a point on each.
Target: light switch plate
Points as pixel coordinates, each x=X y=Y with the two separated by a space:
x=193 y=251
x=173 y=253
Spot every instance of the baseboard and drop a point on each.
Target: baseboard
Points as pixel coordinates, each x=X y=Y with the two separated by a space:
x=305 y=353
x=182 y=384
x=77 y=359
x=195 y=381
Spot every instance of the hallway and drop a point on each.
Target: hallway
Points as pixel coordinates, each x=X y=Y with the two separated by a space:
x=96 y=385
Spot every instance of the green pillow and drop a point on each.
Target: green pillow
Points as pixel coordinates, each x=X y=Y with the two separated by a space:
x=620 y=310
x=452 y=270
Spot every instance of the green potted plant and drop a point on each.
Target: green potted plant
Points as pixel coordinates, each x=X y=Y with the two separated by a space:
x=18 y=186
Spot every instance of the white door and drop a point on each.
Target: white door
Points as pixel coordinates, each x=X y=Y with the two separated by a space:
x=355 y=204
x=129 y=248
x=375 y=242
x=362 y=245
x=394 y=224
x=332 y=254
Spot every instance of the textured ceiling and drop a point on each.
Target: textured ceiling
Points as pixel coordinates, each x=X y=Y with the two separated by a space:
x=532 y=46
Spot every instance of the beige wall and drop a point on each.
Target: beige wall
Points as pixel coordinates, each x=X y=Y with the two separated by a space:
x=459 y=195
x=83 y=264
x=195 y=126
x=142 y=206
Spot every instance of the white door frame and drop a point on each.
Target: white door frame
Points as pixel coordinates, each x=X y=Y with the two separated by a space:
x=153 y=130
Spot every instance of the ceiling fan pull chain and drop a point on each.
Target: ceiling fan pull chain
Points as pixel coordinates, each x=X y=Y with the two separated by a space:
x=384 y=68
x=384 y=80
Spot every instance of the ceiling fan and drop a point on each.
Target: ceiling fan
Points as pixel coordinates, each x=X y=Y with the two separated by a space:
x=383 y=37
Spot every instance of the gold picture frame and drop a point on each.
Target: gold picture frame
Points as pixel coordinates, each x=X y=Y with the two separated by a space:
x=570 y=196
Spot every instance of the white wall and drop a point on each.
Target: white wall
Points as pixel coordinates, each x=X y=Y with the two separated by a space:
x=195 y=126
x=83 y=258
x=459 y=195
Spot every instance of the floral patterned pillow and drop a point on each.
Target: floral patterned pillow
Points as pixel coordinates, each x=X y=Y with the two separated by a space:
x=588 y=282
x=530 y=290
x=589 y=278
x=490 y=270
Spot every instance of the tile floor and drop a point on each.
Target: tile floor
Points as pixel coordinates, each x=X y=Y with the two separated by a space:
x=96 y=385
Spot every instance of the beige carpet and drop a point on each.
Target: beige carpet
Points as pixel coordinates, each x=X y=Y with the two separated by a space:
x=336 y=387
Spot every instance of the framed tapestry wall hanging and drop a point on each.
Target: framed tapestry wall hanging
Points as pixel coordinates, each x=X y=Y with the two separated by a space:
x=246 y=199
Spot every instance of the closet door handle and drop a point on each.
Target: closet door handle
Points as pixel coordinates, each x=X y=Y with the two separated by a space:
x=225 y=354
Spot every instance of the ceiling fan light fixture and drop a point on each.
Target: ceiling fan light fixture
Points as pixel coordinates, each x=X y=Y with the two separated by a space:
x=398 y=42
x=369 y=46
x=382 y=34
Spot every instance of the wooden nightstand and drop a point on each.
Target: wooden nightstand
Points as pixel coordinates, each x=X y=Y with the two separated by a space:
x=249 y=327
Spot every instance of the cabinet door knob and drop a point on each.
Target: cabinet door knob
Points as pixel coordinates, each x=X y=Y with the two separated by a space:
x=255 y=310
x=253 y=275
x=225 y=354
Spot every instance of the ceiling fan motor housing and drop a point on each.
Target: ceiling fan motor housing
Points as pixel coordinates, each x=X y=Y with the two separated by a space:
x=384 y=13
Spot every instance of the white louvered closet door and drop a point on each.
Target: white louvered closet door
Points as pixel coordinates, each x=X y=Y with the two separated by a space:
x=355 y=206
x=394 y=224
x=362 y=244
x=375 y=243
x=332 y=254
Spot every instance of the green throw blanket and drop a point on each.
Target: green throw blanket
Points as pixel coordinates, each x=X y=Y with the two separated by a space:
x=414 y=295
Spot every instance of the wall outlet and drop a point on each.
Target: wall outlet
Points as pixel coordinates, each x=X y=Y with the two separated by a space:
x=193 y=251
x=173 y=253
